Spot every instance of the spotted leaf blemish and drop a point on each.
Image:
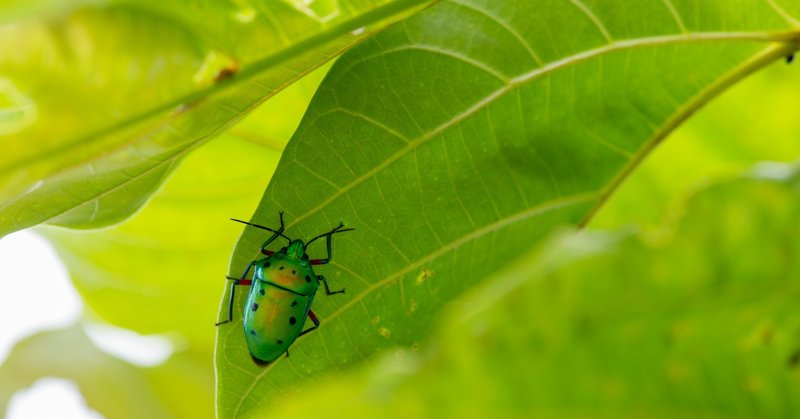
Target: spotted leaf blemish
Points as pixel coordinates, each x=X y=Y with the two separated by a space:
x=424 y=275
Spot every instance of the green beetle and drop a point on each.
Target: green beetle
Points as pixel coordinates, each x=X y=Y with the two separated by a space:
x=281 y=292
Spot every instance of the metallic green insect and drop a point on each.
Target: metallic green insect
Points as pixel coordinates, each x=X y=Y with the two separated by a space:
x=281 y=292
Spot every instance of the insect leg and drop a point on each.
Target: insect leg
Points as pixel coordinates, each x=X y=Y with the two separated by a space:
x=275 y=233
x=314 y=319
x=274 y=236
x=236 y=281
x=329 y=241
x=230 y=301
x=327 y=289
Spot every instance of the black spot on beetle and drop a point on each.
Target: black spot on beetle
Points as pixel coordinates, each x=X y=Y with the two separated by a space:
x=255 y=306
x=252 y=332
x=281 y=268
x=279 y=342
x=308 y=278
x=293 y=272
x=292 y=320
x=261 y=291
x=294 y=303
x=789 y=58
x=266 y=264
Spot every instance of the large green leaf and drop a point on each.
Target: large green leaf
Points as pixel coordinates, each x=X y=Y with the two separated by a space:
x=98 y=103
x=702 y=323
x=451 y=152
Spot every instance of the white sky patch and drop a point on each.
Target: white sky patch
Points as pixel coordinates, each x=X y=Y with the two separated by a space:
x=50 y=398
x=35 y=291
x=144 y=351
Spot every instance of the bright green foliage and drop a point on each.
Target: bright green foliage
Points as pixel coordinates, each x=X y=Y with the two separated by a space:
x=157 y=272
x=98 y=103
x=700 y=323
x=454 y=151
x=185 y=247
x=453 y=142
x=144 y=263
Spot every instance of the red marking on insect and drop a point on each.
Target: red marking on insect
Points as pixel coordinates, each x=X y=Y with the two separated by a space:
x=312 y=316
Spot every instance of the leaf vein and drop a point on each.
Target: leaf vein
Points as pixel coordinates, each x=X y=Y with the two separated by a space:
x=467 y=238
x=534 y=74
x=505 y=25
x=784 y=14
x=452 y=54
x=374 y=122
x=674 y=12
x=597 y=22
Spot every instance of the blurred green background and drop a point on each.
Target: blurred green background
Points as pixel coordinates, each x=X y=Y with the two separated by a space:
x=678 y=299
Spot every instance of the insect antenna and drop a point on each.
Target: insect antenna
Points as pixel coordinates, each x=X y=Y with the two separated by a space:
x=263 y=228
x=330 y=233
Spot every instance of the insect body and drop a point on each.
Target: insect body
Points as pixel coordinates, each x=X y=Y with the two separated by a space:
x=282 y=289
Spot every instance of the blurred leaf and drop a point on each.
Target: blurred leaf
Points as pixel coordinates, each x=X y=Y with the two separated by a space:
x=161 y=271
x=99 y=103
x=452 y=152
x=700 y=324
x=111 y=386
x=158 y=271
